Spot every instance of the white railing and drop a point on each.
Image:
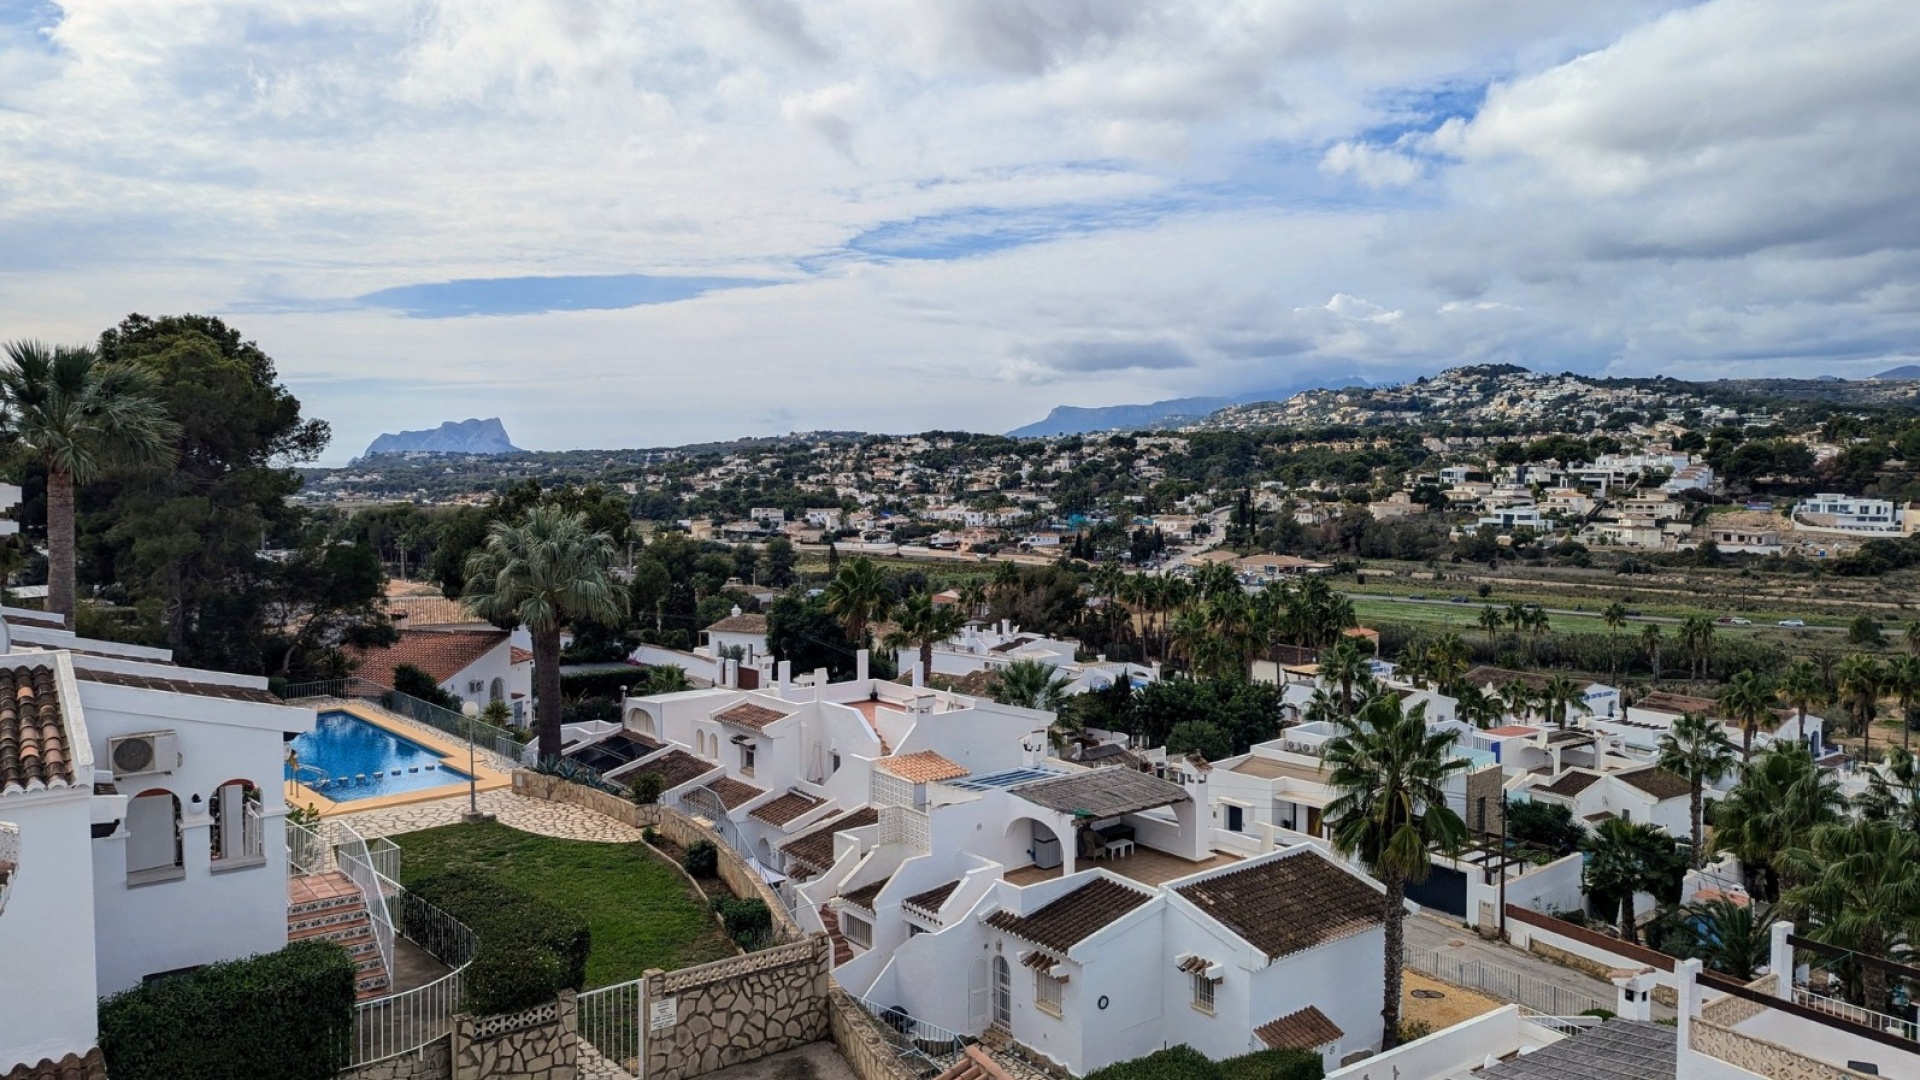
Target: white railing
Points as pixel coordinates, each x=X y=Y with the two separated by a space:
x=308 y=850
x=357 y=864
x=1503 y=984
x=384 y=854
x=1565 y=1025
x=928 y=1046
x=609 y=1020
x=1857 y=1014
x=404 y=1022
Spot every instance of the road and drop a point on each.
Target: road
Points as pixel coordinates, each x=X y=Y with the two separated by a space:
x=1593 y=614
x=1450 y=938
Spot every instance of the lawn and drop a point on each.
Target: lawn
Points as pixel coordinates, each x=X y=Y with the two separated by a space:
x=641 y=911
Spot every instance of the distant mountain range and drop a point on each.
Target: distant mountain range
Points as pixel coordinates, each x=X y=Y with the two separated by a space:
x=1905 y=371
x=1171 y=413
x=487 y=436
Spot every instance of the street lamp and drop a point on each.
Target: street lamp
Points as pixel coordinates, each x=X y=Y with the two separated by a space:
x=473 y=815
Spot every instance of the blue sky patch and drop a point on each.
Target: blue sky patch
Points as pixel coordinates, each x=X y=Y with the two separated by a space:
x=536 y=295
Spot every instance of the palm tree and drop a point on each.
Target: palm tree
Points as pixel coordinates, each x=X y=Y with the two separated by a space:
x=1650 y=641
x=1749 y=703
x=1518 y=697
x=1559 y=698
x=1615 y=616
x=1517 y=615
x=1903 y=682
x=1628 y=857
x=1733 y=939
x=856 y=596
x=543 y=572
x=1491 y=621
x=1860 y=679
x=919 y=623
x=1477 y=707
x=1861 y=892
x=77 y=414
x=1030 y=684
x=1696 y=639
x=1391 y=810
x=1345 y=665
x=1912 y=637
x=1447 y=660
x=1781 y=798
x=1893 y=790
x=973 y=598
x=1697 y=748
x=1800 y=689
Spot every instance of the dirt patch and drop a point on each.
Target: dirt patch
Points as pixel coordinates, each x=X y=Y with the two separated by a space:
x=1450 y=1008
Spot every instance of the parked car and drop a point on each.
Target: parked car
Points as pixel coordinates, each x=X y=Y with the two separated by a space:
x=1417 y=596
x=1793 y=622
x=1724 y=620
x=1738 y=621
x=1456 y=599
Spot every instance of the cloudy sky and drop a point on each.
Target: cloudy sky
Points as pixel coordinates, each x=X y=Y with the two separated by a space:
x=633 y=223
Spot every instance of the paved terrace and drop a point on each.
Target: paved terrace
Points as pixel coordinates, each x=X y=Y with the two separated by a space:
x=561 y=820
x=1145 y=865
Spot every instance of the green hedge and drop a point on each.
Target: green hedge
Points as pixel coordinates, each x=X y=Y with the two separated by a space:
x=286 y=1014
x=747 y=920
x=1186 y=1063
x=530 y=950
x=601 y=684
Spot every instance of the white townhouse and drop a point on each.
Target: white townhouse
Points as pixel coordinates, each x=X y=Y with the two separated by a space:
x=994 y=647
x=142 y=828
x=741 y=635
x=477 y=665
x=1646 y=794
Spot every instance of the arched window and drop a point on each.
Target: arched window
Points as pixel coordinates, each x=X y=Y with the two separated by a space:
x=153 y=837
x=498 y=692
x=236 y=834
x=9 y=860
x=640 y=720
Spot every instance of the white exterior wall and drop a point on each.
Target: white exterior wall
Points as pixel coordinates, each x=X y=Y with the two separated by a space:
x=1125 y=963
x=496 y=663
x=203 y=916
x=48 y=1006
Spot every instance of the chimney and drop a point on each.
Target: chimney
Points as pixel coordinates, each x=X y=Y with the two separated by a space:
x=919 y=676
x=784 y=678
x=860 y=667
x=819 y=684
x=1635 y=1000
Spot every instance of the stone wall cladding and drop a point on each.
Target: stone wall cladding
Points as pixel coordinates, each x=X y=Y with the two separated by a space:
x=1759 y=1056
x=433 y=1061
x=741 y=880
x=737 y=1010
x=860 y=1042
x=539 y=1044
x=1731 y=1012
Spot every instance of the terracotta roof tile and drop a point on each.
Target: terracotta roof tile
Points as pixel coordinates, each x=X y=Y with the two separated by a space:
x=750 y=716
x=976 y=1064
x=518 y=655
x=740 y=624
x=922 y=767
x=88 y=1066
x=677 y=767
x=442 y=654
x=1570 y=783
x=1657 y=782
x=1308 y=1029
x=34 y=750
x=1288 y=904
x=815 y=849
x=785 y=808
x=929 y=902
x=734 y=793
x=177 y=686
x=412 y=612
x=1070 y=919
x=863 y=896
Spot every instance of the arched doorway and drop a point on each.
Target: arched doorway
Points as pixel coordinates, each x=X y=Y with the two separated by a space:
x=498 y=691
x=1002 y=993
x=153 y=835
x=979 y=995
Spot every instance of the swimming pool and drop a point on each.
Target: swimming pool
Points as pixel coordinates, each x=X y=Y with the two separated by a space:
x=346 y=758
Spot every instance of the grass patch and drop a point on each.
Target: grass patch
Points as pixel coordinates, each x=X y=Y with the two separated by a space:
x=641 y=912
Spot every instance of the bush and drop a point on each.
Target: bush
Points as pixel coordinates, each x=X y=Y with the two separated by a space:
x=645 y=788
x=1274 y=1065
x=602 y=684
x=529 y=949
x=1411 y=1030
x=414 y=682
x=281 y=1014
x=1549 y=825
x=748 y=921
x=1186 y=1063
x=702 y=860
x=651 y=836
x=1604 y=1014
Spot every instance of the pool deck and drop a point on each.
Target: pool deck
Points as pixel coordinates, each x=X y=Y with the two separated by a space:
x=486 y=770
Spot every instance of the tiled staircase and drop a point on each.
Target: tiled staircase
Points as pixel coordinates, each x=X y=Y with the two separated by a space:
x=842 y=952
x=329 y=907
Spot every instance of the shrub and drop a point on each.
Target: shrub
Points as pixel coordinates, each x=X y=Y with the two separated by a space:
x=1274 y=1065
x=646 y=788
x=1604 y=1014
x=748 y=921
x=282 y=1014
x=651 y=836
x=529 y=949
x=414 y=682
x=1413 y=1029
x=1173 y=1063
x=702 y=860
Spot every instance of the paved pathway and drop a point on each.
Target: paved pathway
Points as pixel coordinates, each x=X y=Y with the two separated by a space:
x=563 y=820
x=1450 y=938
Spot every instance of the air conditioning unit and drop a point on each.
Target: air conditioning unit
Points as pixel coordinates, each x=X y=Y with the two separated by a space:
x=145 y=753
x=475 y=686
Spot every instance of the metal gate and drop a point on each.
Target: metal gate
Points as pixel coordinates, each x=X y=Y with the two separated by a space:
x=1444 y=890
x=609 y=1022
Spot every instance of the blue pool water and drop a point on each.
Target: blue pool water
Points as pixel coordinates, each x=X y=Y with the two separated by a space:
x=359 y=760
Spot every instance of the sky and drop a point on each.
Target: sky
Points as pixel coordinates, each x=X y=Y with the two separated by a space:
x=637 y=223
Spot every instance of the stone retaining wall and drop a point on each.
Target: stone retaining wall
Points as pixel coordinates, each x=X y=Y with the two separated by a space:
x=538 y=1044
x=433 y=1061
x=736 y=1010
x=860 y=1042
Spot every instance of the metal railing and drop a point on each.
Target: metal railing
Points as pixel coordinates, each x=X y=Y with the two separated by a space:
x=308 y=850
x=1504 y=984
x=486 y=736
x=404 y=1022
x=384 y=854
x=1857 y=1014
x=351 y=852
x=926 y=1048
x=1565 y=1025
x=609 y=1020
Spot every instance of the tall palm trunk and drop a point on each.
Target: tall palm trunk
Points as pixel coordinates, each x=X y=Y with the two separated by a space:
x=1629 y=930
x=1396 y=958
x=1699 y=801
x=926 y=664
x=546 y=691
x=60 y=586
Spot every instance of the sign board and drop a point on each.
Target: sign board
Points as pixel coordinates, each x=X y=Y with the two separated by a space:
x=663 y=1014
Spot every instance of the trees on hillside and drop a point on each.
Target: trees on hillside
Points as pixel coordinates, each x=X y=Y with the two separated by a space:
x=1748 y=701
x=920 y=624
x=857 y=595
x=1696 y=748
x=1859 y=889
x=1781 y=798
x=1629 y=857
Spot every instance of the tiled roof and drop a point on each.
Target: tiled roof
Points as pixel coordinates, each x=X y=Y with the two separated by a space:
x=863 y=896
x=1102 y=793
x=1513 y=729
x=1040 y=961
x=1486 y=676
x=1666 y=702
x=740 y=624
x=922 y=767
x=750 y=716
x=88 y=1066
x=733 y=793
x=1657 y=782
x=176 y=686
x=1570 y=783
x=1308 y=1029
x=33 y=736
x=677 y=767
x=976 y=1064
x=930 y=901
x=816 y=848
x=442 y=654
x=1288 y=904
x=1615 y=1050
x=431 y=610
x=1068 y=920
x=785 y=808
x=518 y=655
